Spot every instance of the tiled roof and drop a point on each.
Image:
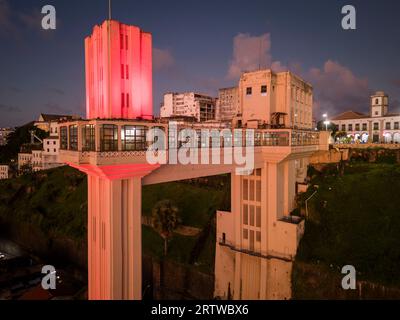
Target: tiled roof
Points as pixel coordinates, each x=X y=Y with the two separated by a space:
x=350 y=115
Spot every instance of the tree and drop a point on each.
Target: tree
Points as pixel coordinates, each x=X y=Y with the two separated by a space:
x=165 y=220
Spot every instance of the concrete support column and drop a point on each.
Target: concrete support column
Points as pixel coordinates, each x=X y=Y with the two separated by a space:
x=114 y=238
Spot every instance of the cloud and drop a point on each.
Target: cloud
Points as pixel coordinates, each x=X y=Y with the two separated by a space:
x=56 y=108
x=15 y=24
x=7 y=25
x=9 y=108
x=57 y=91
x=337 y=88
x=162 y=59
x=396 y=82
x=251 y=53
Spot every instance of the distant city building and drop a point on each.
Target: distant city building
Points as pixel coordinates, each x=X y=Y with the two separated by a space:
x=275 y=99
x=379 y=126
x=121 y=55
x=228 y=105
x=44 y=154
x=4 y=132
x=49 y=122
x=188 y=104
x=4 y=172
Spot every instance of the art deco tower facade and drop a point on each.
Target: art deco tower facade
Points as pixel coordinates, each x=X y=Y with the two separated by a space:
x=118 y=60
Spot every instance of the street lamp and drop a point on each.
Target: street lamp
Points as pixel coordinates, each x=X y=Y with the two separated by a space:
x=326 y=122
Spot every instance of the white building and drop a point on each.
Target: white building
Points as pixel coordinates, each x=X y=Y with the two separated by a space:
x=228 y=105
x=188 y=104
x=379 y=126
x=4 y=172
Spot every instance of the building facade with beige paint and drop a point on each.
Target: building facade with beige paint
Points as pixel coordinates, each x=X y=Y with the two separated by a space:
x=275 y=99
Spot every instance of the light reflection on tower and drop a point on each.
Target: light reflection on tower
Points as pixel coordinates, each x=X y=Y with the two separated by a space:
x=118 y=72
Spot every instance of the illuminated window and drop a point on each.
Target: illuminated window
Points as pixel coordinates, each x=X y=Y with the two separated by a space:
x=134 y=138
x=73 y=137
x=109 y=137
x=88 y=140
x=63 y=138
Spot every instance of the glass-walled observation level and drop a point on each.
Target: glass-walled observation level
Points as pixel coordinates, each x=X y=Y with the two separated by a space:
x=125 y=141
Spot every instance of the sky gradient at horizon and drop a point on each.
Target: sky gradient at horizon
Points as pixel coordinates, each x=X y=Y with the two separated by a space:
x=202 y=46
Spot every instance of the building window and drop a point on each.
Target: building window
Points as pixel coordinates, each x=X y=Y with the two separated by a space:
x=73 y=137
x=134 y=138
x=357 y=127
x=376 y=126
x=122 y=100
x=396 y=125
x=343 y=127
x=350 y=127
x=376 y=101
x=376 y=113
x=245 y=214
x=364 y=126
x=387 y=126
x=127 y=100
x=126 y=42
x=245 y=234
x=122 y=41
x=248 y=91
x=109 y=137
x=263 y=90
x=122 y=71
x=88 y=138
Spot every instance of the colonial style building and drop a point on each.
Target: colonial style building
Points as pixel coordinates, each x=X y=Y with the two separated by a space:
x=275 y=99
x=379 y=126
x=188 y=104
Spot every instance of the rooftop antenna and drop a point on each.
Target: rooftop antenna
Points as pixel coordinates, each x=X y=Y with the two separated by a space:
x=109 y=9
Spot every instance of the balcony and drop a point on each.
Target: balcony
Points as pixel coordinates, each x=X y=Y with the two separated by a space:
x=107 y=142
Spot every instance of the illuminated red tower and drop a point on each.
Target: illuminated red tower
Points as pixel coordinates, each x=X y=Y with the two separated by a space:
x=118 y=72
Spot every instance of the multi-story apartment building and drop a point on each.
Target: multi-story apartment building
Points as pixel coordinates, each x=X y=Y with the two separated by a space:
x=379 y=126
x=4 y=171
x=4 y=132
x=228 y=105
x=189 y=104
x=275 y=99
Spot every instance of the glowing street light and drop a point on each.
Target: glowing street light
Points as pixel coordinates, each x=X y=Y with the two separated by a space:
x=326 y=122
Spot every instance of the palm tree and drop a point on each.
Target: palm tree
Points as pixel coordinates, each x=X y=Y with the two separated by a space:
x=165 y=220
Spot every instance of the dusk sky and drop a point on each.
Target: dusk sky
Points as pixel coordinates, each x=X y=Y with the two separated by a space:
x=202 y=46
